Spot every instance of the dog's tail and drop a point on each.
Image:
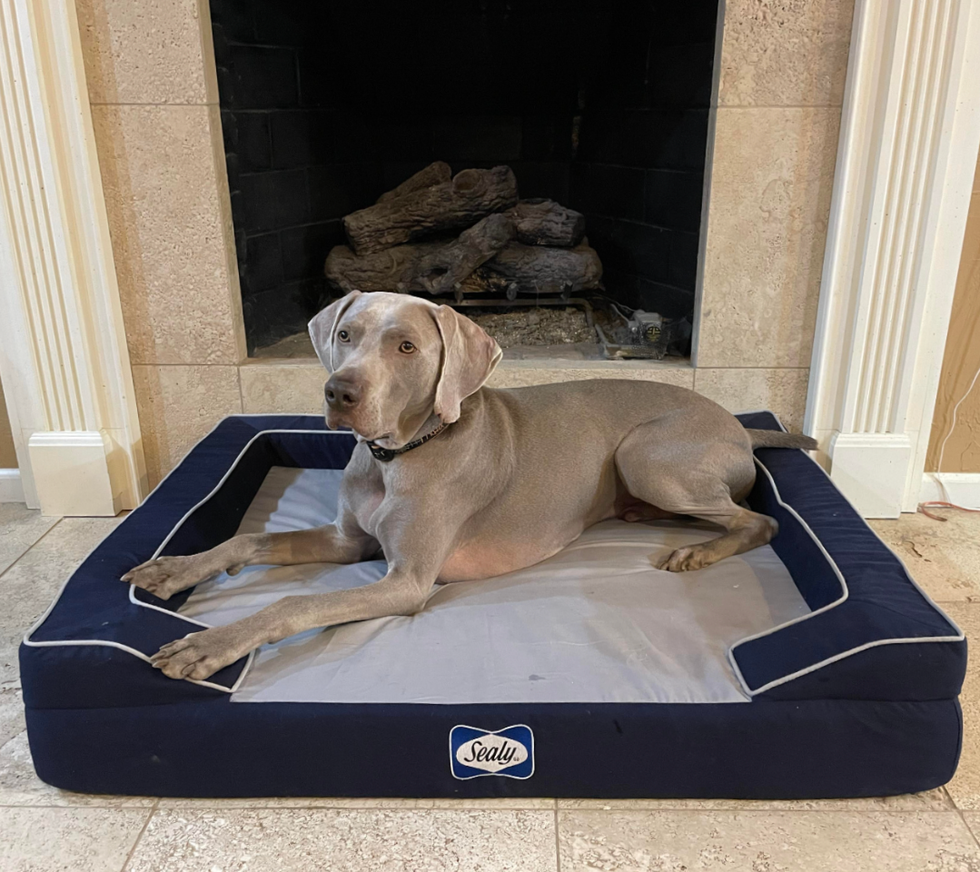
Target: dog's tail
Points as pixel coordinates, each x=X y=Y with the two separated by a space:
x=779 y=439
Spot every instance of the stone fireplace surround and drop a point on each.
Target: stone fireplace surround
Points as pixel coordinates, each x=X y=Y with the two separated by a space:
x=151 y=81
x=137 y=81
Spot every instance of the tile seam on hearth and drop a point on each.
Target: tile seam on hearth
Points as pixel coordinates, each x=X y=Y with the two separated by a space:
x=174 y=105
x=552 y=363
x=778 y=106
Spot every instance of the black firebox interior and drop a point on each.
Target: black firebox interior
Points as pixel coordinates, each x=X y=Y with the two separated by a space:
x=326 y=104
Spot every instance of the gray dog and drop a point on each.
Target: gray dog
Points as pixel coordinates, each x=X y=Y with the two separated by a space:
x=452 y=481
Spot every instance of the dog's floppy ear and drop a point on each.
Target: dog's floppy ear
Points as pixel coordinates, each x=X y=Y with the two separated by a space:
x=323 y=325
x=468 y=358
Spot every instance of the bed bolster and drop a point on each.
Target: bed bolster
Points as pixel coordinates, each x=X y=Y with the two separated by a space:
x=102 y=676
x=873 y=633
x=85 y=651
x=908 y=672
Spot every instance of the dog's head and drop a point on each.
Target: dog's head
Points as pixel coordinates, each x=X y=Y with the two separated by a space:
x=394 y=359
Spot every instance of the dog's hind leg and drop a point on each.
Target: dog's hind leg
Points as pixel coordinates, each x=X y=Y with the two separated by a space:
x=701 y=478
x=745 y=530
x=632 y=510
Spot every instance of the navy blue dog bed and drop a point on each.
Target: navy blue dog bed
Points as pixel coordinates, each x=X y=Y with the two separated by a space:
x=813 y=667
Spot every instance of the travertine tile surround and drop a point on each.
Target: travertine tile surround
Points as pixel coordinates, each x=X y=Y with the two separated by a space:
x=771 y=180
x=291 y=386
x=151 y=77
x=160 y=180
x=178 y=405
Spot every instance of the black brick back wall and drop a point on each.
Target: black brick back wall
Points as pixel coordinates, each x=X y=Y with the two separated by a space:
x=326 y=105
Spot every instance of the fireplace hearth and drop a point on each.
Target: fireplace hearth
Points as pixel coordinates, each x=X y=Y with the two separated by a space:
x=601 y=110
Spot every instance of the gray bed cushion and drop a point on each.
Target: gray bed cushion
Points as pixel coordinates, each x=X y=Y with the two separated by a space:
x=594 y=623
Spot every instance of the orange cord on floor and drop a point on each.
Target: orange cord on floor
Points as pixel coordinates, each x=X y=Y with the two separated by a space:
x=939 y=504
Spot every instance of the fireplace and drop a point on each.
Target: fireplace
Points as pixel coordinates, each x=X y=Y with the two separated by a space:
x=161 y=136
x=601 y=108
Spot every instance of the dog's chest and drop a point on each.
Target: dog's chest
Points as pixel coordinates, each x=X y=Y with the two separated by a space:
x=366 y=508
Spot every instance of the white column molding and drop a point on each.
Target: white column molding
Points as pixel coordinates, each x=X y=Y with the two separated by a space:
x=910 y=129
x=63 y=355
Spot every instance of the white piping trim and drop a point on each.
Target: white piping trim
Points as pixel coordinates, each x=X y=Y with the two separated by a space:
x=227 y=475
x=905 y=569
x=64 y=584
x=139 y=654
x=844 y=654
x=845 y=592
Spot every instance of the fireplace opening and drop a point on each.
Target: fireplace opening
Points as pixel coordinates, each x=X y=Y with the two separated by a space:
x=588 y=109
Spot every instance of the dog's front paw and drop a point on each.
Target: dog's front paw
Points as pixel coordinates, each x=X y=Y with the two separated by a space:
x=684 y=559
x=198 y=655
x=166 y=576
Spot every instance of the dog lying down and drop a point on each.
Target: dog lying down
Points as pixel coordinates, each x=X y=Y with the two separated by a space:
x=453 y=481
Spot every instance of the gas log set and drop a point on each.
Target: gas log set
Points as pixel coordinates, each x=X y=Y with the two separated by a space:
x=465 y=234
x=471 y=236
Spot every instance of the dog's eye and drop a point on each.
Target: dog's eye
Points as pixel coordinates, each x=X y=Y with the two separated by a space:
x=343 y=336
x=406 y=348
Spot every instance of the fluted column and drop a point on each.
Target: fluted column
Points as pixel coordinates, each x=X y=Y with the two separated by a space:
x=910 y=129
x=63 y=354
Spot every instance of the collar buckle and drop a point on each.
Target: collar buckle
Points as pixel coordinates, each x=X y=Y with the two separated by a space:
x=382 y=454
x=387 y=454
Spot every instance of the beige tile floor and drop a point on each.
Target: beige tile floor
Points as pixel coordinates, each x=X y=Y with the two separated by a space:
x=43 y=829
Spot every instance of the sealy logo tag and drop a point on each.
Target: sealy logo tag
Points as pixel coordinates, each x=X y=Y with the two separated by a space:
x=474 y=752
x=491 y=753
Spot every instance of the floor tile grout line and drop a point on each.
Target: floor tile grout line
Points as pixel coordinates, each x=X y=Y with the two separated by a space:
x=139 y=836
x=960 y=811
x=241 y=394
x=16 y=735
x=557 y=841
x=70 y=806
x=733 y=809
x=601 y=811
x=155 y=807
x=317 y=807
x=969 y=829
x=30 y=548
x=643 y=810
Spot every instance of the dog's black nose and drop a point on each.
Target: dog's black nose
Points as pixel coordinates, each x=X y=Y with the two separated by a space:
x=341 y=394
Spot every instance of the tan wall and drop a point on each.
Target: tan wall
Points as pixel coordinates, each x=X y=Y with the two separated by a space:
x=8 y=458
x=961 y=361
x=151 y=81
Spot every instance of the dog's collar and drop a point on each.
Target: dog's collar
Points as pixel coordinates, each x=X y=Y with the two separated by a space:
x=386 y=454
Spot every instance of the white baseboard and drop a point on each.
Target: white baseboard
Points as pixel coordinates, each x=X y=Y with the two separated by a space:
x=871 y=470
x=72 y=473
x=11 y=488
x=962 y=488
